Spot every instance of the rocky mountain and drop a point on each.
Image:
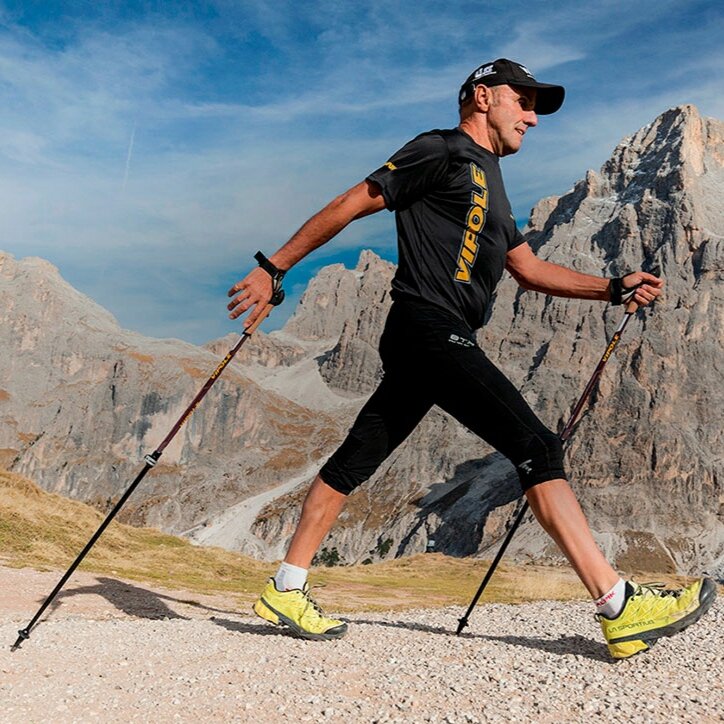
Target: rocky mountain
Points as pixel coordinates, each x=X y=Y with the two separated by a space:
x=82 y=400
x=650 y=449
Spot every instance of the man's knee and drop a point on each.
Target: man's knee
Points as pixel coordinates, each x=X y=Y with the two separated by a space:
x=540 y=459
x=358 y=457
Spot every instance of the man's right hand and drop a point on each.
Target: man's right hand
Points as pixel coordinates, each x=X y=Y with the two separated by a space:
x=253 y=292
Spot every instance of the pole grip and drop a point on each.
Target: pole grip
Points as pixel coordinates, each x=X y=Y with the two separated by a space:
x=631 y=307
x=265 y=313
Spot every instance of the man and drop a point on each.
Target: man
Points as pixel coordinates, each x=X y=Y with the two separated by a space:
x=456 y=234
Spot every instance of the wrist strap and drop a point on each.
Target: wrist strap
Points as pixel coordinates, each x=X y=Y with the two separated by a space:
x=619 y=293
x=276 y=274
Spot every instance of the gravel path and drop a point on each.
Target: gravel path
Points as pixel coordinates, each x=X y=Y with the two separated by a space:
x=115 y=651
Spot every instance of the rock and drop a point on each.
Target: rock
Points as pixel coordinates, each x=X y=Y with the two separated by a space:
x=353 y=364
x=83 y=401
x=654 y=205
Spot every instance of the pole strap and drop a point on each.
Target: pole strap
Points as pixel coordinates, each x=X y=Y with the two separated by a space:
x=276 y=274
x=621 y=294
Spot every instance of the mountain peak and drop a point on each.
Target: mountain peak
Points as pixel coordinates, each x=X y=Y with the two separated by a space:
x=674 y=147
x=367 y=260
x=337 y=294
x=669 y=173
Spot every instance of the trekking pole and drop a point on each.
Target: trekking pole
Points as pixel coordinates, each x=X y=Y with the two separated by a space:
x=564 y=436
x=152 y=459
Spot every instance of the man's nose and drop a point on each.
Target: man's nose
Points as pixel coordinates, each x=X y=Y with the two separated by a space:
x=530 y=119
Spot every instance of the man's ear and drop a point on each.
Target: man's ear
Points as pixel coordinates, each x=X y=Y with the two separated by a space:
x=482 y=97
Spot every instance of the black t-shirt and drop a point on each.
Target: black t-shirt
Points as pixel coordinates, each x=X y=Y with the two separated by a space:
x=454 y=222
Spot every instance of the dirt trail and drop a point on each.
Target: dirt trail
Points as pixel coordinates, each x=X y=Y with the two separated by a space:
x=114 y=651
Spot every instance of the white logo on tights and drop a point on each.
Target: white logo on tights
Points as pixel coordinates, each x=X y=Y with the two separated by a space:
x=460 y=340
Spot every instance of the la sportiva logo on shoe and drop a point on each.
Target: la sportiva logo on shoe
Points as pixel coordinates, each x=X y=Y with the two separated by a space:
x=638 y=624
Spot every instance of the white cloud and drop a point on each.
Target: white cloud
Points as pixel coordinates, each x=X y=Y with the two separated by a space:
x=534 y=44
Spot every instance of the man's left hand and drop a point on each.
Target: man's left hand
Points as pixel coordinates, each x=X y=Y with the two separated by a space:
x=651 y=287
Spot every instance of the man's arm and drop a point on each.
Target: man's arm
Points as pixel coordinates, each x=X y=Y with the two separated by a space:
x=543 y=276
x=255 y=290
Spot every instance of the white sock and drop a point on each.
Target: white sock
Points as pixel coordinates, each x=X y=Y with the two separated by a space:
x=611 y=603
x=289 y=577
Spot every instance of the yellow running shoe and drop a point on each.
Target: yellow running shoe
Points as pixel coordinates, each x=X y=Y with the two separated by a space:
x=652 y=612
x=299 y=611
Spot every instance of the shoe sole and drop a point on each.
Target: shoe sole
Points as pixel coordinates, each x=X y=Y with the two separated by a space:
x=707 y=596
x=336 y=633
x=627 y=649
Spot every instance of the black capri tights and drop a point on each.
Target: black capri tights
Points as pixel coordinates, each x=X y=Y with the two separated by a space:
x=429 y=357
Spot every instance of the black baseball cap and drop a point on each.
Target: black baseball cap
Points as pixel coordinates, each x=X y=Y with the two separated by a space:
x=507 y=72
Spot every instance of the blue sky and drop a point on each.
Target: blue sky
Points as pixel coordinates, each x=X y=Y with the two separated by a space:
x=148 y=149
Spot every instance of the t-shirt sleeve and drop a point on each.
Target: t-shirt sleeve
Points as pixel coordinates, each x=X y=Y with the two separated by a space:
x=516 y=239
x=413 y=171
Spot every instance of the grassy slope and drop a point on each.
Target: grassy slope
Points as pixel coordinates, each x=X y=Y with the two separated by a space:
x=46 y=532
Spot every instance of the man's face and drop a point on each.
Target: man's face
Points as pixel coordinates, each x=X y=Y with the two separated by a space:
x=510 y=115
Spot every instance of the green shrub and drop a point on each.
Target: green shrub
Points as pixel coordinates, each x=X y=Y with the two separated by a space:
x=327 y=557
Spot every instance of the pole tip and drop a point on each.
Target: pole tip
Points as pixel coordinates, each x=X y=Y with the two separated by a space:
x=462 y=623
x=24 y=635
